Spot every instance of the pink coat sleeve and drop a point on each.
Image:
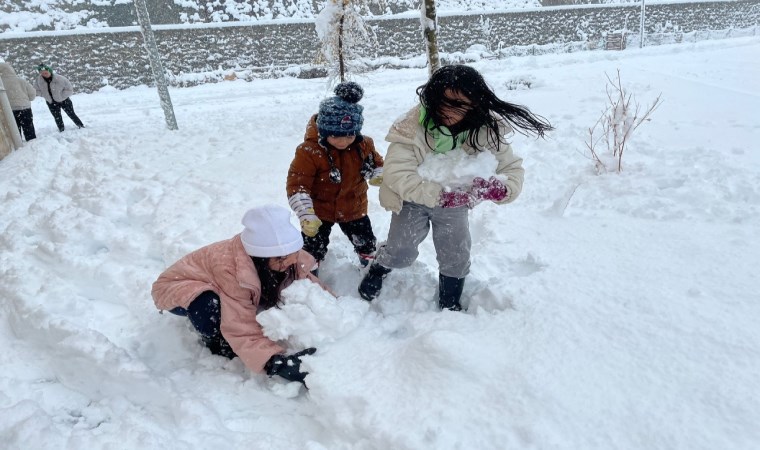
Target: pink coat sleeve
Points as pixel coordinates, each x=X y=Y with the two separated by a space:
x=241 y=329
x=243 y=332
x=239 y=325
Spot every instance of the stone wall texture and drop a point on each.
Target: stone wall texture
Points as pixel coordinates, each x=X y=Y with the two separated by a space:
x=197 y=54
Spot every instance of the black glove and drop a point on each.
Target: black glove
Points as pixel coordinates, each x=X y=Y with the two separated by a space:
x=288 y=367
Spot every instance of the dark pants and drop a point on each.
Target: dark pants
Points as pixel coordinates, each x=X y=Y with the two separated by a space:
x=68 y=107
x=205 y=314
x=25 y=123
x=359 y=232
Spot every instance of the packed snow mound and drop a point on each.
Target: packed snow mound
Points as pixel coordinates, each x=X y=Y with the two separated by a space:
x=309 y=316
x=456 y=169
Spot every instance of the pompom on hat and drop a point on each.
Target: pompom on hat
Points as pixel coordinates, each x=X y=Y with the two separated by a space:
x=340 y=115
x=268 y=232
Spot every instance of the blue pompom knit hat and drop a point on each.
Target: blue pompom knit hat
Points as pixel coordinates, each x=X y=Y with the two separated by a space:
x=340 y=115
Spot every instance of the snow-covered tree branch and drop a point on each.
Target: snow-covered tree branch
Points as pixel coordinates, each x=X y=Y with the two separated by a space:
x=341 y=30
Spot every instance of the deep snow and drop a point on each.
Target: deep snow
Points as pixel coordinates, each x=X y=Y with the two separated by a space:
x=605 y=311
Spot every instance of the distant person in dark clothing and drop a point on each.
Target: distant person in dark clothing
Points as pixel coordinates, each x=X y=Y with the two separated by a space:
x=20 y=95
x=56 y=90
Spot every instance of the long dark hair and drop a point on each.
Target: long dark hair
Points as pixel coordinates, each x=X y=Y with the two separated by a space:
x=484 y=109
x=272 y=282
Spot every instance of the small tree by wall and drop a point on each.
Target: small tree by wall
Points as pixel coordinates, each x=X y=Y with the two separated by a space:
x=341 y=29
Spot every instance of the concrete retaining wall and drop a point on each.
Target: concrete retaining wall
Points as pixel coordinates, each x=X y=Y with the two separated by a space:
x=116 y=57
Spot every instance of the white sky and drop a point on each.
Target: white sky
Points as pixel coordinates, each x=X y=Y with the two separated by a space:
x=605 y=311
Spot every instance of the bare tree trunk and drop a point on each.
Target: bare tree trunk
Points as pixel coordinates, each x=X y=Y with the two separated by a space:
x=642 y=23
x=155 y=63
x=341 y=62
x=429 y=29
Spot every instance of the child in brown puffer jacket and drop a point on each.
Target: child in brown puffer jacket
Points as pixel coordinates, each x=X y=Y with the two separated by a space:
x=327 y=180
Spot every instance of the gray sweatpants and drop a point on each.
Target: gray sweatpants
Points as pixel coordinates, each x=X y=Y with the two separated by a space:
x=451 y=238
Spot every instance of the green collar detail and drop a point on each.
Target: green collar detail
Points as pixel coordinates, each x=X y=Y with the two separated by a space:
x=444 y=141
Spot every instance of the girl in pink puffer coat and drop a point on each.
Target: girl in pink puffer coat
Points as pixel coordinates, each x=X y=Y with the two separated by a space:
x=222 y=286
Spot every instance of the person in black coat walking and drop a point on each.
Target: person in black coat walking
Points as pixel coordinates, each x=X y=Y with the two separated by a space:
x=56 y=90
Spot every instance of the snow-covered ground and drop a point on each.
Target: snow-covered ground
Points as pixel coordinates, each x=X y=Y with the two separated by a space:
x=605 y=311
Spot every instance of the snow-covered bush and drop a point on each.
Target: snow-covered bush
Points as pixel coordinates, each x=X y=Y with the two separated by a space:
x=620 y=118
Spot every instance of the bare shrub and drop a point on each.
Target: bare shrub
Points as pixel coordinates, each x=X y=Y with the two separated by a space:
x=620 y=118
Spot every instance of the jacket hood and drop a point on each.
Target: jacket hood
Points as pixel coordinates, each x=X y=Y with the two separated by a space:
x=7 y=70
x=404 y=129
x=312 y=133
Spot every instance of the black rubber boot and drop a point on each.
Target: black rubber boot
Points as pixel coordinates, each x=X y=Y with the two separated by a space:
x=370 y=286
x=449 y=292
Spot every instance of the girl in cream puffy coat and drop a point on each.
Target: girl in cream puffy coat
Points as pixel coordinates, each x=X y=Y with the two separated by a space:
x=457 y=110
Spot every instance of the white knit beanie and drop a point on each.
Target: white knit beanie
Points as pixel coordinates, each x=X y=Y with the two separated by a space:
x=269 y=233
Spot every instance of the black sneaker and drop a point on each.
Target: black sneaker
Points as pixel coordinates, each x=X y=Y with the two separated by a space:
x=372 y=283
